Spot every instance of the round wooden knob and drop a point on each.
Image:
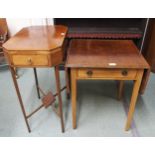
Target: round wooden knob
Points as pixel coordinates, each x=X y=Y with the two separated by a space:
x=124 y=72
x=29 y=61
x=89 y=72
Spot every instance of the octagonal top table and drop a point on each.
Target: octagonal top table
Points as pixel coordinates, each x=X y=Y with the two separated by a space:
x=37 y=46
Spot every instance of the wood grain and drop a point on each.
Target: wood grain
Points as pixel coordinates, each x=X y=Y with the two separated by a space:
x=30 y=60
x=120 y=89
x=73 y=96
x=103 y=53
x=90 y=59
x=107 y=73
x=36 y=46
x=135 y=91
x=37 y=38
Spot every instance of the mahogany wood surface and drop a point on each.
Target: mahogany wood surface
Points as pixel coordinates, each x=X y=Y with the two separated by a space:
x=104 y=54
x=3 y=26
x=106 y=60
x=37 y=46
x=106 y=73
x=37 y=38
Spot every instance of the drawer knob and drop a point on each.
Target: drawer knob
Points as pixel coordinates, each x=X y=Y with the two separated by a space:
x=124 y=72
x=29 y=61
x=89 y=73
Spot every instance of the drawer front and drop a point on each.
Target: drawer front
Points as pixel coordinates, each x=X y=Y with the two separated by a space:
x=30 y=60
x=107 y=73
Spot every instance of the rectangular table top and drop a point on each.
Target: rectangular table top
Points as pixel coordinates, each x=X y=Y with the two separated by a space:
x=95 y=53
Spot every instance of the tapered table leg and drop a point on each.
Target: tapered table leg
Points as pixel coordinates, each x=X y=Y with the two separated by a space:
x=57 y=76
x=36 y=81
x=135 y=92
x=67 y=82
x=73 y=96
x=19 y=97
x=120 y=89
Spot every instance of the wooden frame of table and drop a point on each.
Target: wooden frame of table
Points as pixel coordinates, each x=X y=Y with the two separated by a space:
x=106 y=62
x=32 y=47
x=76 y=76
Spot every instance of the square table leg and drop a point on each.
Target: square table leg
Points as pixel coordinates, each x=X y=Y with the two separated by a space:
x=57 y=76
x=135 y=93
x=67 y=82
x=73 y=96
x=120 y=89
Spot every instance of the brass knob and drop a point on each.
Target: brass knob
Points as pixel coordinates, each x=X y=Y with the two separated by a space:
x=124 y=72
x=29 y=61
x=89 y=72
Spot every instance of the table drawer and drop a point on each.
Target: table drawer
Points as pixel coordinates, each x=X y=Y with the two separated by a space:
x=30 y=60
x=107 y=73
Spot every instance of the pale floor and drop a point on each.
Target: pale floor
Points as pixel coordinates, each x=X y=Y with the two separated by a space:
x=99 y=112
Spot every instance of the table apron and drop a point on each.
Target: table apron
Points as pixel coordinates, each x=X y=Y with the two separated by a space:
x=105 y=74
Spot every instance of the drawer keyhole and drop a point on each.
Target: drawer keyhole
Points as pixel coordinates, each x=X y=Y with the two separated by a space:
x=89 y=73
x=124 y=72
